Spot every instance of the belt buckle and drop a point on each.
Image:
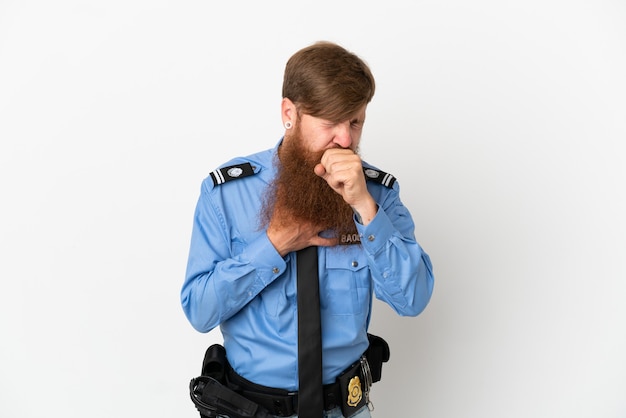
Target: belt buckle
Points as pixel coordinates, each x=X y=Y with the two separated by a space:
x=367 y=381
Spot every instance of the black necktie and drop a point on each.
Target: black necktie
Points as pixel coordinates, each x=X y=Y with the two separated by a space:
x=310 y=393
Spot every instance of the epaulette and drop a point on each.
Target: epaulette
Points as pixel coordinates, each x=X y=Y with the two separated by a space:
x=232 y=172
x=380 y=177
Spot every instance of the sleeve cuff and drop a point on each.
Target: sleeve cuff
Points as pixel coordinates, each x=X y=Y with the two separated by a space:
x=265 y=259
x=376 y=233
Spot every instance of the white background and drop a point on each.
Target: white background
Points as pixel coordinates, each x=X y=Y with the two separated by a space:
x=504 y=122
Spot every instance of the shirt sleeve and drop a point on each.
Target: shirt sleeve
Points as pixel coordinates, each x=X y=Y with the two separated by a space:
x=401 y=270
x=221 y=279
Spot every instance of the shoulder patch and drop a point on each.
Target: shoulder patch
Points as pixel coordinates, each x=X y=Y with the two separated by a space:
x=380 y=177
x=232 y=172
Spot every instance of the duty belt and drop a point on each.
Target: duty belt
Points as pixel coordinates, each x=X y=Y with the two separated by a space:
x=221 y=391
x=350 y=392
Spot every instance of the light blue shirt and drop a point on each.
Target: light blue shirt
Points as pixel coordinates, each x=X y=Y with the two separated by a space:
x=236 y=279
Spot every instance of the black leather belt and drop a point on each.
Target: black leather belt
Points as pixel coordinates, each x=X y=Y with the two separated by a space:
x=277 y=401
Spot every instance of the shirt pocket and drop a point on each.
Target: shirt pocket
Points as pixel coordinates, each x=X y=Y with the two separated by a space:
x=347 y=284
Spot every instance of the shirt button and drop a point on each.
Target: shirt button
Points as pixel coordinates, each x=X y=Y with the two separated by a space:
x=355 y=263
x=371 y=238
x=275 y=270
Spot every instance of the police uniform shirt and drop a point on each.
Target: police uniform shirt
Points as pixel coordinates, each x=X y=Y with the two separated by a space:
x=236 y=279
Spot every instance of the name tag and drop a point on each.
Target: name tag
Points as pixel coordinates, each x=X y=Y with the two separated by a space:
x=350 y=239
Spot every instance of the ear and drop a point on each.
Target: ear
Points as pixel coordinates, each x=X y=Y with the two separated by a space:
x=288 y=111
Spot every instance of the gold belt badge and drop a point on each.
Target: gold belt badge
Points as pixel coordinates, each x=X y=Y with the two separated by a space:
x=354 y=391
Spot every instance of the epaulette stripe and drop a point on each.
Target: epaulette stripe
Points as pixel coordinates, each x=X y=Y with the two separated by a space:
x=232 y=172
x=218 y=178
x=388 y=179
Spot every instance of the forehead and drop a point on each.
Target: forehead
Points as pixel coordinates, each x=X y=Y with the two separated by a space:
x=359 y=114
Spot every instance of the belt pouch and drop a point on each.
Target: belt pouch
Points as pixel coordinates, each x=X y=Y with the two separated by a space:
x=215 y=363
x=377 y=354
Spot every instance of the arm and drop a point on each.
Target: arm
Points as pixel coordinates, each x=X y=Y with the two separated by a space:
x=224 y=273
x=401 y=270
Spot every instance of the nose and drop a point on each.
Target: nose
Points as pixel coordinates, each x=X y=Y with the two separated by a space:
x=342 y=135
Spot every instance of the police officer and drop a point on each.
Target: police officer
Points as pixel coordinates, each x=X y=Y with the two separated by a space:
x=312 y=189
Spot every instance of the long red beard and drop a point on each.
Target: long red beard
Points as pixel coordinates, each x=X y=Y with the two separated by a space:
x=298 y=191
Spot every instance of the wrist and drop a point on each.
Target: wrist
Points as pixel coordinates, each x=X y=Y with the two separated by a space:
x=366 y=211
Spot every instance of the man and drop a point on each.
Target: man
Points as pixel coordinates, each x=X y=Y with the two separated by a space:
x=312 y=189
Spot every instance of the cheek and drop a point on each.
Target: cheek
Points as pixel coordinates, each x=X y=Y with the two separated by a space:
x=319 y=141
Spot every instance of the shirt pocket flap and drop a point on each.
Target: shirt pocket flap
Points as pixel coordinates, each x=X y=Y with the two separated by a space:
x=352 y=259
